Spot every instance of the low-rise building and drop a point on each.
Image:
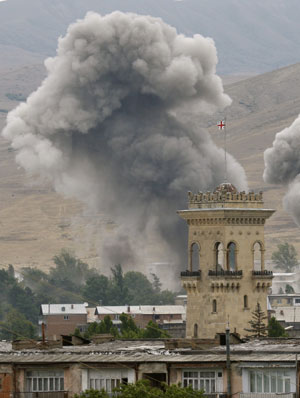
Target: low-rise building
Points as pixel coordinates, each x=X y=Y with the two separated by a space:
x=168 y=317
x=62 y=319
x=258 y=369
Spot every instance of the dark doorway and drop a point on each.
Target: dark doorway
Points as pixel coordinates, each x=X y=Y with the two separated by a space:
x=156 y=379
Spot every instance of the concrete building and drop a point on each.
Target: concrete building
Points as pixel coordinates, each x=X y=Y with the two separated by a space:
x=62 y=319
x=283 y=279
x=258 y=369
x=226 y=274
x=169 y=317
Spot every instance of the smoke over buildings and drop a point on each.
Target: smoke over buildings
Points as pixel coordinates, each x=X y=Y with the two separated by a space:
x=107 y=126
x=282 y=166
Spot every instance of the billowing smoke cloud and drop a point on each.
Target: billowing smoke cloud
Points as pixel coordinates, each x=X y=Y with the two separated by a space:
x=107 y=127
x=282 y=166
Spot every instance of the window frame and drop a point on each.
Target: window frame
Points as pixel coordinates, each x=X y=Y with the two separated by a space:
x=200 y=379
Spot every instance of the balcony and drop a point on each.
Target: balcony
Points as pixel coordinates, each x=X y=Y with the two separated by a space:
x=226 y=274
x=191 y=274
x=267 y=395
x=265 y=274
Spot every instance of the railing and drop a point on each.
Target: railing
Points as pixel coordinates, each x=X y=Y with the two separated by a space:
x=190 y=273
x=263 y=273
x=226 y=273
x=36 y=394
x=267 y=395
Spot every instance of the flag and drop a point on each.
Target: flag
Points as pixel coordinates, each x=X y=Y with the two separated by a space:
x=221 y=125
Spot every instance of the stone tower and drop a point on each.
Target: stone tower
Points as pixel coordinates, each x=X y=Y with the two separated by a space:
x=226 y=276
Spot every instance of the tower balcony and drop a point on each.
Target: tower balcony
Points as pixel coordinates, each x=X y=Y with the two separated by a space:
x=191 y=274
x=189 y=280
x=226 y=274
x=264 y=274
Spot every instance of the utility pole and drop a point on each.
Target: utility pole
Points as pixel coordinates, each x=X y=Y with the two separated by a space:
x=228 y=364
x=297 y=381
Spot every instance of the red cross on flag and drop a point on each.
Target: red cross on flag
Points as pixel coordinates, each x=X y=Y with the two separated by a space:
x=221 y=125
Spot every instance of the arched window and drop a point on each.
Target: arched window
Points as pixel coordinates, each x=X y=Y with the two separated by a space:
x=257 y=256
x=231 y=256
x=195 y=257
x=214 y=306
x=219 y=256
x=196 y=330
x=245 y=301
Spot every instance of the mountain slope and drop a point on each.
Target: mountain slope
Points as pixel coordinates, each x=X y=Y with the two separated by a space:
x=251 y=36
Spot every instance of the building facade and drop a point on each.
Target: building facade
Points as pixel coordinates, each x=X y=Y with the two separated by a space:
x=62 y=319
x=258 y=369
x=226 y=275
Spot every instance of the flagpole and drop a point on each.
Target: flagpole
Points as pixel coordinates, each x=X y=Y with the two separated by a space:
x=225 y=150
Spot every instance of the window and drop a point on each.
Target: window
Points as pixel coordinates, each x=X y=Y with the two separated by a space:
x=270 y=381
x=66 y=317
x=214 y=306
x=45 y=380
x=297 y=301
x=209 y=381
x=196 y=330
x=105 y=384
x=231 y=256
x=108 y=379
x=219 y=253
x=195 y=257
x=257 y=256
x=245 y=301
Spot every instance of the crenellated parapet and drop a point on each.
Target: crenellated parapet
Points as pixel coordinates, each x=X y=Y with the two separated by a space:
x=225 y=195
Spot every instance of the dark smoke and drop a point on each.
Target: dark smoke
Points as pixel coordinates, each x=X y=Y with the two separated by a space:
x=107 y=127
x=282 y=166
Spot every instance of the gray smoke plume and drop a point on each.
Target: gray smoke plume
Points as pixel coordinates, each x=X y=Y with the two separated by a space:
x=107 y=127
x=282 y=166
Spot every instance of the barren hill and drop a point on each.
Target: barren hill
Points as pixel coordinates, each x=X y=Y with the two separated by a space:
x=36 y=222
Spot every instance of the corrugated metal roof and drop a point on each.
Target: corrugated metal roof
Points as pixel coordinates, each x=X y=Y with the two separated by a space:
x=142 y=309
x=264 y=352
x=54 y=309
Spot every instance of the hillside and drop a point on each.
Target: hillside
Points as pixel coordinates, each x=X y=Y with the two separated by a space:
x=251 y=36
x=36 y=222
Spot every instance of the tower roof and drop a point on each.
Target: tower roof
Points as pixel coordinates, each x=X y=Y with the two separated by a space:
x=226 y=187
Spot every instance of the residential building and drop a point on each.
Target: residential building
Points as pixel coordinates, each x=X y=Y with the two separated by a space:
x=282 y=279
x=226 y=274
x=62 y=319
x=258 y=369
x=284 y=300
x=168 y=317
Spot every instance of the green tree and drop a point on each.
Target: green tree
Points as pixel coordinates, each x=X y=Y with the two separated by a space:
x=69 y=272
x=289 y=289
x=119 y=291
x=128 y=328
x=143 y=388
x=156 y=283
x=258 y=328
x=275 y=329
x=140 y=288
x=152 y=331
x=16 y=326
x=96 y=289
x=285 y=257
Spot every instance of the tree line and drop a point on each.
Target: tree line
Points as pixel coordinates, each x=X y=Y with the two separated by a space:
x=69 y=281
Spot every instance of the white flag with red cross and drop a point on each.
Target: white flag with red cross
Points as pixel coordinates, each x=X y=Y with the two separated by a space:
x=221 y=125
